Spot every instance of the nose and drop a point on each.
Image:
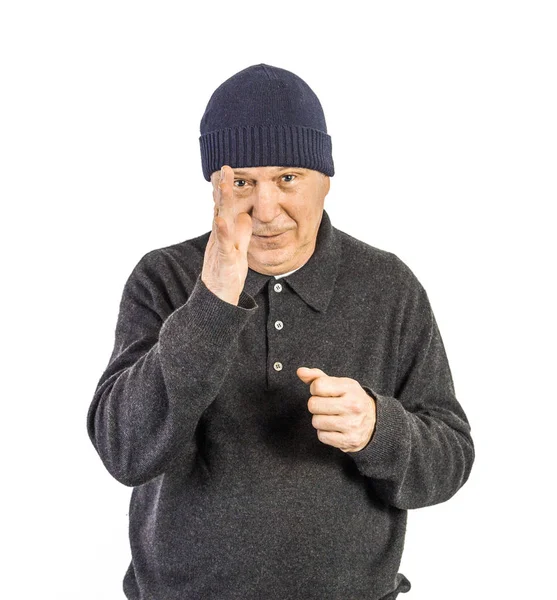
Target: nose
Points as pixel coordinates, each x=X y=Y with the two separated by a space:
x=266 y=207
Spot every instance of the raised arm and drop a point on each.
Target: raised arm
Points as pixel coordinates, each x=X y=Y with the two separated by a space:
x=168 y=364
x=160 y=378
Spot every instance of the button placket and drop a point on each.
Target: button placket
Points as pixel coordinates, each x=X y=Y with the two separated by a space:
x=276 y=347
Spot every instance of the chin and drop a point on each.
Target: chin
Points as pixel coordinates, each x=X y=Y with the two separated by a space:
x=271 y=258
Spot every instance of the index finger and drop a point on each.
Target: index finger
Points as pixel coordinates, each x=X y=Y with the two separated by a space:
x=327 y=385
x=224 y=195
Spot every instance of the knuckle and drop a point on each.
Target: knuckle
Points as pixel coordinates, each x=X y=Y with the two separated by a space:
x=354 y=406
x=316 y=388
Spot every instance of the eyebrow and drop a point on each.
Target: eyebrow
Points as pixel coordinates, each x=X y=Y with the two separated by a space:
x=277 y=171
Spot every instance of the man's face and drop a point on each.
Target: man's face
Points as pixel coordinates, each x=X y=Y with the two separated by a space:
x=280 y=200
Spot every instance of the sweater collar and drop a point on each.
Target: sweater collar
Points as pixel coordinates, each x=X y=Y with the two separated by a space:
x=314 y=281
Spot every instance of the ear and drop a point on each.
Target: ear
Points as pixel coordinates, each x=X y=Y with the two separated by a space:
x=326 y=184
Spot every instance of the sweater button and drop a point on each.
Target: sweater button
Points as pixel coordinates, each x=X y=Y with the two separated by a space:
x=278 y=366
x=278 y=287
x=279 y=325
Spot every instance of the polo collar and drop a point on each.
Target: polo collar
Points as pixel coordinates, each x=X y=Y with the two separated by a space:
x=314 y=281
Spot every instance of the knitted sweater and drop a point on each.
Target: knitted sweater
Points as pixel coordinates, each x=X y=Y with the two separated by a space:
x=201 y=410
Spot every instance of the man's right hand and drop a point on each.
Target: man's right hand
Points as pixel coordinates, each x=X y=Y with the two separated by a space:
x=225 y=265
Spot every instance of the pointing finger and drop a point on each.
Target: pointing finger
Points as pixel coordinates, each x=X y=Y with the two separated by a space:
x=225 y=196
x=307 y=375
x=322 y=384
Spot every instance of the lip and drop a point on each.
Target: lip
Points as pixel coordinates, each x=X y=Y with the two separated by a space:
x=265 y=237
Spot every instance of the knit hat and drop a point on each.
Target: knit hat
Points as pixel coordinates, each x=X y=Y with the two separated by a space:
x=265 y=116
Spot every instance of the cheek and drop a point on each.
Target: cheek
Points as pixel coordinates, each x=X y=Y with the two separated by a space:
x=308 y=209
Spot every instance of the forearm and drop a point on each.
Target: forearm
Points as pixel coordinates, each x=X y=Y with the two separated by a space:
x=149 y=401
x=416 y=459
x=421 y=451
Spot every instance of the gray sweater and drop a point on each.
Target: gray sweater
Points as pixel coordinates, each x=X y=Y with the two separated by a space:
x=201 y=410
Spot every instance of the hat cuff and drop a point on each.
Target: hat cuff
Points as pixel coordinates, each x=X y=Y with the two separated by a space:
x=266 y=145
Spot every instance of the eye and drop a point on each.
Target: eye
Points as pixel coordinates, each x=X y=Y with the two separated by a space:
x=289 y=175
x=240 y=182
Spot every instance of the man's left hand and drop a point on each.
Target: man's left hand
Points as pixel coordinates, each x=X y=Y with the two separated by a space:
x=343 y=412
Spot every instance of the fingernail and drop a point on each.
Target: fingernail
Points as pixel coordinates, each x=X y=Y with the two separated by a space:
x=222 y=174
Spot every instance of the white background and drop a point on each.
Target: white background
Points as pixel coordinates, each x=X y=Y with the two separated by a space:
x=444 y=129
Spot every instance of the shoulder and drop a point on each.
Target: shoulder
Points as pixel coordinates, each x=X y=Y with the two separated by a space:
x=168 y=274
x=183 y=259
x=378 y=280
x=366 y=263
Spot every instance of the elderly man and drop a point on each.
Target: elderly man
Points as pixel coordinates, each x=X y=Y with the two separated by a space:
x=278 y=393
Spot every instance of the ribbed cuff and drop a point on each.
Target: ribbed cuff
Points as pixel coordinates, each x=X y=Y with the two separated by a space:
x=389 y=447
x=267 y=145
x=206 y=316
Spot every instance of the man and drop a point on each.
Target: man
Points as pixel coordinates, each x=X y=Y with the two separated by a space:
x=278 y=394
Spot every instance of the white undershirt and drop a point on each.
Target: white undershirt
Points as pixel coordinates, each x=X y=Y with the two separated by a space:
x=285 y=274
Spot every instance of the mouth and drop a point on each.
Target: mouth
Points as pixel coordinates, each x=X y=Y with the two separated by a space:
x=270 y=237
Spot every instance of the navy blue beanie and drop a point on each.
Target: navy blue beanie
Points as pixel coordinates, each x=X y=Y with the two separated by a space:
x=265 y=116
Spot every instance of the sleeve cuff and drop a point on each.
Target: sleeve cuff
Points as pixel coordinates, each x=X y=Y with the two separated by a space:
x=207 y=316
x=389 y=446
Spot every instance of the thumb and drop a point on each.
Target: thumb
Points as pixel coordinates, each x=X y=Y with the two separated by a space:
x=307 y=375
